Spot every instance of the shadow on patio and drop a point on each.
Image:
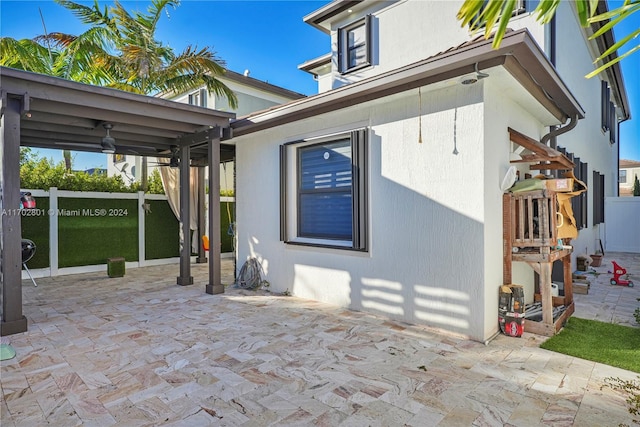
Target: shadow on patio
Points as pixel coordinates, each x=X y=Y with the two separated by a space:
x=140 y=350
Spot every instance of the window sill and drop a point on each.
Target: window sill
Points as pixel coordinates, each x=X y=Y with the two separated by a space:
x=325 y=244
x=356 y=68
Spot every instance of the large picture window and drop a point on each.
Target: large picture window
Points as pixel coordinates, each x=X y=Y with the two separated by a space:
x=323 y=191
x=354 y=45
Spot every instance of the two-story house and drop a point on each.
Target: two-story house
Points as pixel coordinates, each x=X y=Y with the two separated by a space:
x=252 y=95
x=629 y=171
x=383 y=192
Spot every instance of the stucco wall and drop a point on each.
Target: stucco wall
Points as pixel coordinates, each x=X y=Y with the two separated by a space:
x=407 y=31
x=502 y=112
x=425 y=261
x=587 y=140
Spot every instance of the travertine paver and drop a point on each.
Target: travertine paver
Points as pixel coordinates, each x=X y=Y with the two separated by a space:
x=140 y=350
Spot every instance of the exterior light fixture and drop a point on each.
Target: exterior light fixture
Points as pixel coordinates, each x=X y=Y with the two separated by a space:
x=470 y=79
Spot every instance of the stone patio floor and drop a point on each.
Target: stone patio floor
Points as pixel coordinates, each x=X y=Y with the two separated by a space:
x=142 y=351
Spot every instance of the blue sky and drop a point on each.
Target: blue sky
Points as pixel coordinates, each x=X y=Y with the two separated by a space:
x=266 y=37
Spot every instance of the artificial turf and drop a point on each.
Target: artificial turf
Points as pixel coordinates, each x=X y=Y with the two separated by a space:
x=608 y=343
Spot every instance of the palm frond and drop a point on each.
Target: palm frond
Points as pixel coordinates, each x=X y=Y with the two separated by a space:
x=86 y=14
x=545 y=10
x=26 y=55
x=191 y=69
x=613 y=62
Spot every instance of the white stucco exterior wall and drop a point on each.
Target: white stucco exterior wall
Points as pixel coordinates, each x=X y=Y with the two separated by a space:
x=425 y=262
x=408 y=31
x=587 y=140
x=503 y=112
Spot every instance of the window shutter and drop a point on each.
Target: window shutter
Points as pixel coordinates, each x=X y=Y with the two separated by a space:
x=342 y=49
x=584 y=177
x=602 y=192
x=360 y=190
x=604 y=106
x=283 y=193
x=598 y=197
x=576 y=205
x=369 y=32
x=613 y=124
x=190 y=99
x=203 y=98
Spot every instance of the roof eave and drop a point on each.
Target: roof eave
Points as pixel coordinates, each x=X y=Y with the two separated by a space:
x=330 y=10
x=519 y=53
x=614 y=73
x=311 y=65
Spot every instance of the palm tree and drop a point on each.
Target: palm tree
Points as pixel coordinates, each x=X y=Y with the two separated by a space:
x=477 y=14
x=119 y=50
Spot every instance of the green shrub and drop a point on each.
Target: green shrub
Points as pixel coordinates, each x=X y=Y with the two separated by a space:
x=43 y=174
x=632 y=390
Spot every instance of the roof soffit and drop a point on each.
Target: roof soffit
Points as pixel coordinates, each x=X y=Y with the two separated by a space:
x=319 y=18
x=613 y=73
x=518 y=53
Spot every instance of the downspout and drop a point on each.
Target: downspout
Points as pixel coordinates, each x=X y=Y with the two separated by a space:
x=573 y=121
x=551 y=44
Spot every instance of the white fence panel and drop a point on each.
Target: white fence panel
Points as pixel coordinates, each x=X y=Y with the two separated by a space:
x=622 y=219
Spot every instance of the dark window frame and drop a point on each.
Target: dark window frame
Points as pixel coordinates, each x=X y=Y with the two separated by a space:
x=579 y=202
x=598 y=197
x=613 y=124
x=344 y=49
x=620 y=173
x=201 y=96
x=604 y=106
x=359 y=193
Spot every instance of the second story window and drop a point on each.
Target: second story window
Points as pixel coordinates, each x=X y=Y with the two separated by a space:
x=354 y=45
x=623 y=176
x=198 y=98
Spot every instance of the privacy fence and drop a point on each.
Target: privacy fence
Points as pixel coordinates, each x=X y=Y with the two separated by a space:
x=78 y=231
x=622 y=222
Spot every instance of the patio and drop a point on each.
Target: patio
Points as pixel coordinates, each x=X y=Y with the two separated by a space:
x=140 y=350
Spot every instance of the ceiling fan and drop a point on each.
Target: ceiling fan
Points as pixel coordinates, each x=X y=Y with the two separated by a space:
x=174 y=160
x=108 y=142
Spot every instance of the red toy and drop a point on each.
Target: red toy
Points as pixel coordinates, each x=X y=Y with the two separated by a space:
x=617 y=272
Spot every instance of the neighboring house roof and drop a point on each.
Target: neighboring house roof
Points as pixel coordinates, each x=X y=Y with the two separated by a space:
x=628 y=164
x=312 y=65
x=259 y=84
x=519 y=55
x=245 y=80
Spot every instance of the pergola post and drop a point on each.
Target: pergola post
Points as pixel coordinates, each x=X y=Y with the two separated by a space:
x=202 y=256
x=13 y=321
x=185 y=277
x=215 y=278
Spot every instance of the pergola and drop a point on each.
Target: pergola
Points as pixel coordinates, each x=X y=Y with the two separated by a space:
x=47 y=112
